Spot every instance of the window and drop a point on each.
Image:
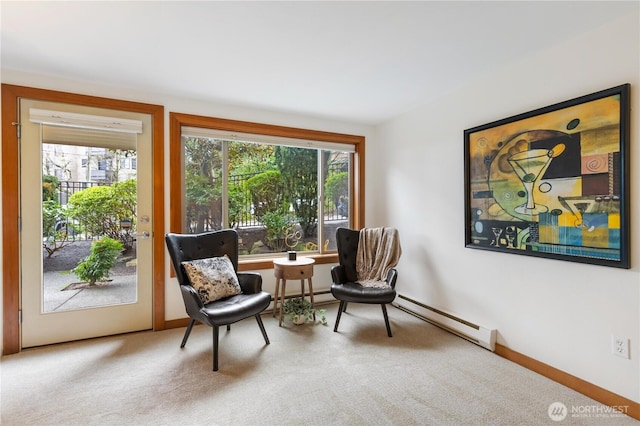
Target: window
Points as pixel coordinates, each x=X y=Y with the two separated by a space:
x=103 y=165
x=266 y=182
x=127 y=163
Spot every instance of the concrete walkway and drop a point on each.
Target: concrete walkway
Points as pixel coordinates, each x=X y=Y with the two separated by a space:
x=122 y=289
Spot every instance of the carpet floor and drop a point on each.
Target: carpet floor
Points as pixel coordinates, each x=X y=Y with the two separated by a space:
x=308 y=375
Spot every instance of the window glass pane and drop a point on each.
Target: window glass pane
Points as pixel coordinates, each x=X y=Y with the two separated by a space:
x=202 y=185
x=268 y=192
x=336 y=195
x=278 y=186
x=246 y=160
x=298 y=169
x=247 y=163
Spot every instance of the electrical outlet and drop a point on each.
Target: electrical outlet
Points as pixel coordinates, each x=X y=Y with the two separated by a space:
x=620 y=346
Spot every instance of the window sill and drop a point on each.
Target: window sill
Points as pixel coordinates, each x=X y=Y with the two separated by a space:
x=257 y=264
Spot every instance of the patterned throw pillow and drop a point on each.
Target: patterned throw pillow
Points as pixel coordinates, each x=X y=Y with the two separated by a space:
x=213 y=278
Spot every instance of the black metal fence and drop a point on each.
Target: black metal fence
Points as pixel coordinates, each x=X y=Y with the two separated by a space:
x=243 y=217
x=69 y=187
x=69 y=229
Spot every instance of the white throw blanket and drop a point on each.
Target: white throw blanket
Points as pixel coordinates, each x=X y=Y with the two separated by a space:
x=378 y=252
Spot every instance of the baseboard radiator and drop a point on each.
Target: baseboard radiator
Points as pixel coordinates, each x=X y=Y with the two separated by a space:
x=474 y=333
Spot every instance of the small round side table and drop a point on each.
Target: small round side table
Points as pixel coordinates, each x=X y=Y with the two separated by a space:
x=285 y=269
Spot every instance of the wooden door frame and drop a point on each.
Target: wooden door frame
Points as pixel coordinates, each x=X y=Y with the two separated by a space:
x=11 y=95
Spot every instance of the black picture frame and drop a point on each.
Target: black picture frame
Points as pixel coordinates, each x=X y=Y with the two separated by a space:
x=552 y=182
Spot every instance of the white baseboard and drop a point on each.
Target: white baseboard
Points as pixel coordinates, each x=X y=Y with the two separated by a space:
x=475 y=333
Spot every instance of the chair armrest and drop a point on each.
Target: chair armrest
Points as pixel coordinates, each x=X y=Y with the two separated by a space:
x=392 y=276
x=338 y=275
x=250 y=282
x=192 y=302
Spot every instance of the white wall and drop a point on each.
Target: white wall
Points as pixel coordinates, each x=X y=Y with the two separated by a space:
x=560 y=313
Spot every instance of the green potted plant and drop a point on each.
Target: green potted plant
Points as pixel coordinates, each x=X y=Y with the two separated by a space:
x=301 y=310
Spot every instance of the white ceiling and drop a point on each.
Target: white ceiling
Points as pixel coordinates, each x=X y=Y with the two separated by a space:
x=361 y=62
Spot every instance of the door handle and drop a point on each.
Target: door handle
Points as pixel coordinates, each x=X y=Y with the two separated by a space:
x=142 y=235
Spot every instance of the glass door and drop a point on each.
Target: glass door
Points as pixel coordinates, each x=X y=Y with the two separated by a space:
x=86 y=222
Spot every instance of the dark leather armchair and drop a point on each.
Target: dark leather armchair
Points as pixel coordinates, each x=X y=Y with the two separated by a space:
x=251 y=302
x=345 y=285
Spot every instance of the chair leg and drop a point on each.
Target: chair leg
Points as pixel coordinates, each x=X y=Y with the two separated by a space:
x=228 y=327
x=386 y=319
x=215 y=347
x=342 y=307
x=345 y=307
x=187 y=333
x=261 y=325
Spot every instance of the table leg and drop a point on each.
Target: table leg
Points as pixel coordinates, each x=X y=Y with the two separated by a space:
x=275 y=298
x=302 y=292
x=311 y=296
x=284 y=289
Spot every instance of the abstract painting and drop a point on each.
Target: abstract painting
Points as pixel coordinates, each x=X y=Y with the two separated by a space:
x=552 y=182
